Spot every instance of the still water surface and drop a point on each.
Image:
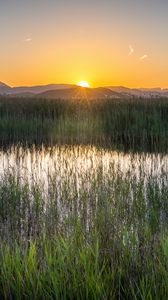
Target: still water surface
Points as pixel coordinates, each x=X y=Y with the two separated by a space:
x=80 y=163
x=47 y=188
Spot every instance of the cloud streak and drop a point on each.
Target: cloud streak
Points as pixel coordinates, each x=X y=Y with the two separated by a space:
x=143 y=57
x=27 y=40
x=131 y=50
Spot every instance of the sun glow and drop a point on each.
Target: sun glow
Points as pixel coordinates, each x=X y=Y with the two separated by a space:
x=83 y=84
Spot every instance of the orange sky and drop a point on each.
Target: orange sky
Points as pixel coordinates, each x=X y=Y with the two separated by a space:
x=102 y=42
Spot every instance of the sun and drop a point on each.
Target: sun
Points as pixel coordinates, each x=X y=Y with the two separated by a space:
x=83 y=84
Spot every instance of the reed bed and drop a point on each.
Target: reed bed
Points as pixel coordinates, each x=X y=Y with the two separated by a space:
x=135 y=124
x=83 y=223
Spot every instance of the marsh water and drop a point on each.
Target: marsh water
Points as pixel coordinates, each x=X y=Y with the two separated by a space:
x=47 y=188
x=83 y=162
x=80 y=163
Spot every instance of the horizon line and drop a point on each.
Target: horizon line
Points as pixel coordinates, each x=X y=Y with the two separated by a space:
x=90 y=87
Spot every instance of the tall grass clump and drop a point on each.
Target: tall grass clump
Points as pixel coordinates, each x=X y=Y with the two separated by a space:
x=135 y=124
x=83 y=223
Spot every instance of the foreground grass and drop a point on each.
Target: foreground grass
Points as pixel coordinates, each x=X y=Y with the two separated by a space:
x=68 y=268
x=87 y=234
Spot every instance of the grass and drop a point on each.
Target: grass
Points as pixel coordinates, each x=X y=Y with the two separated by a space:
x=83 y=222
x=92 y=230
x=135 y=124
x=69 y=269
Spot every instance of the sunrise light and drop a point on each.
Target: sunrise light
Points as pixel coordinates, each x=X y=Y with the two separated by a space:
x=83 y=84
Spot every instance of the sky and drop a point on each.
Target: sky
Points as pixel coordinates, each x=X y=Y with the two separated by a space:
x=104 y=42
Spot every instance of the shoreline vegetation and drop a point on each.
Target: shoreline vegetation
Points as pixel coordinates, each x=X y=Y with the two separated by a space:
x=93 y=232
x=129 y=125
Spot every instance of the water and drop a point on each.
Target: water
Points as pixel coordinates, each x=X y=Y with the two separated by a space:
x=81 y=163
x=45 y=189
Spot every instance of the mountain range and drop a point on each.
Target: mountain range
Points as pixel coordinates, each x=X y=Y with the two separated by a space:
x=69 y=91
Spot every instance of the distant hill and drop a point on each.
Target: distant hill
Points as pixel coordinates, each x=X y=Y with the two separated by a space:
x=70 y=91
x=140 y=92
x=80 y=93
x=24 y=90
x=4 y=88
x=40 y=88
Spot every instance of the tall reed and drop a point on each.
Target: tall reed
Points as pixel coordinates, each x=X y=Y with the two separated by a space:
x=135 y=124
x=91 y=228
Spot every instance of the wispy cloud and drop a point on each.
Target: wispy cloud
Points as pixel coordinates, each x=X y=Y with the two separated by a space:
x=27 y=40
x=143 y=57
x=131 y=50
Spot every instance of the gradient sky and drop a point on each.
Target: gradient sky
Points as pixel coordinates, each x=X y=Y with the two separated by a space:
x=107 y=42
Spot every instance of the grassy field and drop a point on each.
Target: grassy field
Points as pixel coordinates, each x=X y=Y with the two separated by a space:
x=89 y=229
x=137 y=124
